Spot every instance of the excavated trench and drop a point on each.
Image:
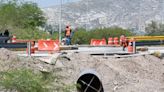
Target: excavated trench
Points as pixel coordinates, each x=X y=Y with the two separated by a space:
x=89 y=82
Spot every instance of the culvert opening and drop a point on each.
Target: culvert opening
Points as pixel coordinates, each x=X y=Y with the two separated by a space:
x=89 y=83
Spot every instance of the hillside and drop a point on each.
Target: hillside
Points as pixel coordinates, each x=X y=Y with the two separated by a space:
x=104 y=13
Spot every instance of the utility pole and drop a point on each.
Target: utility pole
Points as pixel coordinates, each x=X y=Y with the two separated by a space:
x=162 y=10
x=60 y=21
x=139 y=24
x=87 y=18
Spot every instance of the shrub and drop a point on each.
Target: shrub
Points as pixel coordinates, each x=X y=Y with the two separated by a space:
x=83 y=37
x=23 y=81
x=30 y=34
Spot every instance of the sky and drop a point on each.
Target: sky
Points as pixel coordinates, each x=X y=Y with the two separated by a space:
x=47 y=3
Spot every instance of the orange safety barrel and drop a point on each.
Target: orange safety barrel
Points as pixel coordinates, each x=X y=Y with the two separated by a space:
x=92 y=42
x=102 y=42
x=116 y=42
x=130 y=46
x=110 y=41
x=13 y=39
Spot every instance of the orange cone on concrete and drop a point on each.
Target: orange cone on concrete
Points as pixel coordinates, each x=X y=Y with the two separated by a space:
x=110 y=41
x=131 y=46
x=13 y=39
x=116 y=42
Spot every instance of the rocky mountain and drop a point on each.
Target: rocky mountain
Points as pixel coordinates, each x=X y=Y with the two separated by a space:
x=134 y=14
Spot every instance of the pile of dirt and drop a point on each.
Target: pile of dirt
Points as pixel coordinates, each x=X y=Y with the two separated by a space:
x=9 y=60
x=133 y=74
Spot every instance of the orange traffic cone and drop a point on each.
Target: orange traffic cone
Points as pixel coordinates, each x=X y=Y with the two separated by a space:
x=13 y=39
x=116 y=42
x=131 y=46
x=110 y=41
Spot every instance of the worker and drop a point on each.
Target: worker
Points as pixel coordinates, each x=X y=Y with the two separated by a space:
x=68 y=35
x=6 y=33
x=123 y=41
x=0 y=34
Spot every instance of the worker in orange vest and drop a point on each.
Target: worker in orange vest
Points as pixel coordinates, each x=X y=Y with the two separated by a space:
x=68 y=35
x=123 y=42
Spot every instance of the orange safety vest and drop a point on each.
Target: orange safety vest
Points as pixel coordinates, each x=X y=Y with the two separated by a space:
x=68 y=31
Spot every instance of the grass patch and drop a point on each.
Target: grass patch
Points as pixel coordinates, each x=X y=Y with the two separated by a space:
x=23 y=81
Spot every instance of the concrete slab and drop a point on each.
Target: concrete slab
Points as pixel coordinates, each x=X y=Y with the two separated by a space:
x=35 y=55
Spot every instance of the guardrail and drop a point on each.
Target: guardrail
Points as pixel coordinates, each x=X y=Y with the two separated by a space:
x=13 y=45
x=146 y=38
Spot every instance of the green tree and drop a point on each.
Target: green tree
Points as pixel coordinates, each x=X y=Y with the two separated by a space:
x=31 y=15
x=154 y=28
x=20 y=14
x=22 y=18
x=7 y=14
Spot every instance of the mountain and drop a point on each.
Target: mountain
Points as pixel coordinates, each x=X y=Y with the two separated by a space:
x=133 y=14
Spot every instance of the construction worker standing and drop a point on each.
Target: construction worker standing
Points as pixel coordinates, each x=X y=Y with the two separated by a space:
x=68 y=35
x=123 y=41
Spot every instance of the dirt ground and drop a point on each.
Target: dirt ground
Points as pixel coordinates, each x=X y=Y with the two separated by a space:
x=133 y=74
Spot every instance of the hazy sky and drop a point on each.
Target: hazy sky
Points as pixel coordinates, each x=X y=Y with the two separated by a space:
x=46 y=3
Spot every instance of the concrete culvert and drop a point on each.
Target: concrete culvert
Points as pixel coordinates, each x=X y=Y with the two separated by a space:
x=89 y=83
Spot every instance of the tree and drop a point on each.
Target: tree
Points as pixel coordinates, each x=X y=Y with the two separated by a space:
x=20 y=14
x=7 y=14
x=31 y=15
x=154 y=28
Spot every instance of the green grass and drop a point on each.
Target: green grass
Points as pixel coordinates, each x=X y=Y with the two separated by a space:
x=23 y=81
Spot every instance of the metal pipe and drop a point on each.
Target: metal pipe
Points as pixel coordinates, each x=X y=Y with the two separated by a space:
x=89 y=81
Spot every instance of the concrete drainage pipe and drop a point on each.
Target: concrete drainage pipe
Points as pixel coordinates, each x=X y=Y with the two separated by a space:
x=89 y=82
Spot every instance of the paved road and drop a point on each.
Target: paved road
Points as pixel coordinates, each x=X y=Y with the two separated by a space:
x=153 y=49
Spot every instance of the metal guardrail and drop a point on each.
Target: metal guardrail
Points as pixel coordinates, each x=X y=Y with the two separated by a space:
x=13 y=45
x=146 y=38
x=149 y=43
x=4 y=39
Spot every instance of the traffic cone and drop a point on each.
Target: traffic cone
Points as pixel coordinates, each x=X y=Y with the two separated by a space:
x=13 y=39
x=131 y=46
x=116 y=42
x=110 y=41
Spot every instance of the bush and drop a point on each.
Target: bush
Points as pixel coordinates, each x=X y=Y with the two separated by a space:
x=83 y=37
x=30 y=34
